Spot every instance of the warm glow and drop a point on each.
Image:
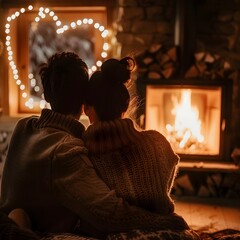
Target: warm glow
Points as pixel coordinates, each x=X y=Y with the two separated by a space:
x=186 y=129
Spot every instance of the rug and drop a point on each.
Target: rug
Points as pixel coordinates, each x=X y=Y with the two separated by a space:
x=226 y=234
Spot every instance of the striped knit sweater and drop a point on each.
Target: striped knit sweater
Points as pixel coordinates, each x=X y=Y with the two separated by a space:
x=139 y=165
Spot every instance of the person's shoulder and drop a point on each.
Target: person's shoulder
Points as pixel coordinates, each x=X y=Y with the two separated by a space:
x=69 y=152
x=23 y=123
x=153 y=134
x=27 y=119
x=157 y=139
x=71 y=145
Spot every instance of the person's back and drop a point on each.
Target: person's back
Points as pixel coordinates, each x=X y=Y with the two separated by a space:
x=34 y=154
x=28 y=172
x=140 y=165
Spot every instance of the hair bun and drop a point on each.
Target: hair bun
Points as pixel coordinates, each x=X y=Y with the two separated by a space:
x=115 y=71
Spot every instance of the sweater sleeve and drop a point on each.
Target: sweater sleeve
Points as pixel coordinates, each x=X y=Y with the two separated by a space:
x=77 y=186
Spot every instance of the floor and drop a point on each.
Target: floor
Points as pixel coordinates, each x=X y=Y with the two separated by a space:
x=208 y=214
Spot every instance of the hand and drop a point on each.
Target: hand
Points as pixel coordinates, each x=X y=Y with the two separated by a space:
x=173 y=222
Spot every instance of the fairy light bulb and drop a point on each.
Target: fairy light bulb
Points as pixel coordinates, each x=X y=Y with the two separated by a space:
x=99 y=63
x=22 y=86
x=51 y=14
x=65 y=27
x=47 y=10
x=104 y=54
x=58 y=23
x=73 y=25
x=105 y=46
x=42 y=104
x=94 y=68
x=24 y=94
x=36 y=88
x=104 y=33
x=101 y=28
x=18 y=82
x=90 y=21
x=96 y=25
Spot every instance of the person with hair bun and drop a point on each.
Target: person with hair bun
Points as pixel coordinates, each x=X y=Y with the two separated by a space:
x=140 y=165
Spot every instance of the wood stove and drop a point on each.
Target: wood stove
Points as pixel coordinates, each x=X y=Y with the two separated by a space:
x=194 y=115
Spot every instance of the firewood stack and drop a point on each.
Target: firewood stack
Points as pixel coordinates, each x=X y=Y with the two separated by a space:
x=158 y=62
x=161 y=62
x=211 y=66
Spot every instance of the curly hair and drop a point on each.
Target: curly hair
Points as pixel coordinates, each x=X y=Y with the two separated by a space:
x=64 y=79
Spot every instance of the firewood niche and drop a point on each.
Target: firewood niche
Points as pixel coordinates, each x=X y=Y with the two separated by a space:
x=161 y=62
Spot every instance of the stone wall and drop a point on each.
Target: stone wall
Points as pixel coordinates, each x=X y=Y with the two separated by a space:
x=218 y=30
x=139 y=24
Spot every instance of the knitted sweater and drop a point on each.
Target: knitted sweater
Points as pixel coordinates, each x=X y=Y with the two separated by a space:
x=140 y=165
x=33 y=167
x=47 y=173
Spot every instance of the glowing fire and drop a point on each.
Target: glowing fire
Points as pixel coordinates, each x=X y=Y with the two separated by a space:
x=185 y=133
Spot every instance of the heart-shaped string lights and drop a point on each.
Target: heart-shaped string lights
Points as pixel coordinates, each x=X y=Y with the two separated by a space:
x=42 y=13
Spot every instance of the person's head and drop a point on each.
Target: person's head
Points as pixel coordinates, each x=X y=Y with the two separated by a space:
x=108 y=97
x=64 y=79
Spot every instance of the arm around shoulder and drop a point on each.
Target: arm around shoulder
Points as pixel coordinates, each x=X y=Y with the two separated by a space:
x=78 y=187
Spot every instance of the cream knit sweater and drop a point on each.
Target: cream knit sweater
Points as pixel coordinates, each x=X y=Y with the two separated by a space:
x=139 y=165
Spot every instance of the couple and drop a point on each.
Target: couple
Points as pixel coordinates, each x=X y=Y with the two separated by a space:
x=110 y=178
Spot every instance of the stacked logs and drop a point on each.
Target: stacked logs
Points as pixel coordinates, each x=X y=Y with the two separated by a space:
x=158 y=62
x=161 y=62
x=211 y=66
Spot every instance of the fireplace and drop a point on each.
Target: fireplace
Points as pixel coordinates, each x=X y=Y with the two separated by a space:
x=194 y=115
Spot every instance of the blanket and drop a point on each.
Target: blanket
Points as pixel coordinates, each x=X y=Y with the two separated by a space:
x=10 y=231
x=226 y=234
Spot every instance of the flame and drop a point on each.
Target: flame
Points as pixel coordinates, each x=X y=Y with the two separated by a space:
x=187 y=126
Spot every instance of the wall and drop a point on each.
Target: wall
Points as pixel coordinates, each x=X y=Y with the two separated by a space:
x=146 y=27
x=139 y=24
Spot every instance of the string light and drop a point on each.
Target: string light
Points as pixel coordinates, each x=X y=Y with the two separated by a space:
x=103 y=32
x=42 y=13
